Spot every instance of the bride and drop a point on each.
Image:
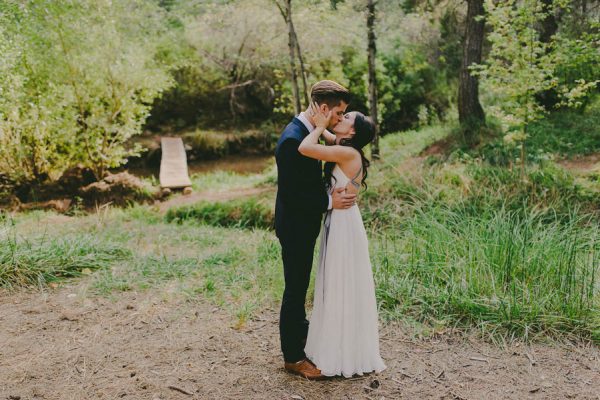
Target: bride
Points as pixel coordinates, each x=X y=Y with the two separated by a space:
x=343 y=337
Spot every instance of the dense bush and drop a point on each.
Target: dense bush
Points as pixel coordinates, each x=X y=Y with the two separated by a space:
x=77 y=80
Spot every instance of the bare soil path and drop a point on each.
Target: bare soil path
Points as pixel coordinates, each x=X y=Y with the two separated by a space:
x=583 y=164
x=69 y=344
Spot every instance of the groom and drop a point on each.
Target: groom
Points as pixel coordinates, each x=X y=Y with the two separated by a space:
x=301 y=202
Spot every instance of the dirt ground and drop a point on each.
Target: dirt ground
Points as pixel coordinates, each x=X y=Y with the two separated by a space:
x=66 y=343
x=582 y=164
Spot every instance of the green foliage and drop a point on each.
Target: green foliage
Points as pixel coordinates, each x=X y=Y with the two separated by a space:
x=412 y=90
x=28 y=120
x=246 y=213
x=519 y=64
x=521 y=67
x=240 y=72
x=235 y=64
x=243 y=78
x=208 y=144
x=81 y=77
x=576 y=60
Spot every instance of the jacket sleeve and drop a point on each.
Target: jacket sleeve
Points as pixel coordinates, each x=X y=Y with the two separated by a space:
x=294 y=187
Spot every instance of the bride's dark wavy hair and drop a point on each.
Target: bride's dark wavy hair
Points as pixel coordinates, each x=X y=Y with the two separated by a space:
x=364 y=128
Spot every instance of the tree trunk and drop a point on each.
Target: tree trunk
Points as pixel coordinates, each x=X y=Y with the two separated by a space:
x=549 y=26
x=470 y=112
x=549 y=23
x=292 y=47
x=302 y=69
x=372 y=52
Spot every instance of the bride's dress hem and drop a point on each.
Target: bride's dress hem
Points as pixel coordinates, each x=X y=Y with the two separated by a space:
x=367 y=370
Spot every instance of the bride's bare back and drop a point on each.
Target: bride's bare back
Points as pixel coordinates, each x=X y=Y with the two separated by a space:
x=353 y=171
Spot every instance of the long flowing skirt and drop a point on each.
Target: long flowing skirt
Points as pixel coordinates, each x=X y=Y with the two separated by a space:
x=343 y=337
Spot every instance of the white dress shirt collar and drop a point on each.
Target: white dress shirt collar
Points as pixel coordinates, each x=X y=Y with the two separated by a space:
x=304 y=119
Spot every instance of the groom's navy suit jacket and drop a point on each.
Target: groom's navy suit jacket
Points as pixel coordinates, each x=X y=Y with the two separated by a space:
x=301 y=195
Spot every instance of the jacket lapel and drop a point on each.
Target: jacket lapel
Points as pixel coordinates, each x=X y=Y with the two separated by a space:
x=305 y=132
x=302 y=127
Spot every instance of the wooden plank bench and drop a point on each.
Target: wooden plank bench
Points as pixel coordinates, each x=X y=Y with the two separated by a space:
x=173 y=164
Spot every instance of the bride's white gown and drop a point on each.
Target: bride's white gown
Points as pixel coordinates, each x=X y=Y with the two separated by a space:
x=343 y=337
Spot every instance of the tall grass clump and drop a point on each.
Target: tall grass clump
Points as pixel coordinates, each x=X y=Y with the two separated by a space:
x=41 y=260
x=242 y=213
x=510 y=274
x=546 y=188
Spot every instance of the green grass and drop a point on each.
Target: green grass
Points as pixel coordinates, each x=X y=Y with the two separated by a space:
x=475 y=187
x=561 y=134
x=241 y=213
x=454 y=242
x=507 y=273
x=460 y=242
x=237 y=269
x=41 y=259
x=568 y=133
x=222 y=180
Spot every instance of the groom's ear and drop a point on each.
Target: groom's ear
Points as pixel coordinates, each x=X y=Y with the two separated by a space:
x=324 y=108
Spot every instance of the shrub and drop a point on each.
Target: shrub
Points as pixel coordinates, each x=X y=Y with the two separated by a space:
x=79 y=80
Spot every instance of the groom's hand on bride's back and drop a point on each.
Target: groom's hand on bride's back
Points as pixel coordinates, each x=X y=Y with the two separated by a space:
x=341 y=200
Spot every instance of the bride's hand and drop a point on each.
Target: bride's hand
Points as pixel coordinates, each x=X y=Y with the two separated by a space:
x=319 y=118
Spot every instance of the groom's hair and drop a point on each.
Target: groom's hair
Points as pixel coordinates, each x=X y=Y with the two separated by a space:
x=330 y=93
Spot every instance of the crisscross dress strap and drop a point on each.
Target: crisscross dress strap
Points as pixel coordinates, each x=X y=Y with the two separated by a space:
x=353 y=180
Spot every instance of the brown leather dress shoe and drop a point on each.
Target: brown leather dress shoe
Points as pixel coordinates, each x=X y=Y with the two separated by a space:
x=305 y=369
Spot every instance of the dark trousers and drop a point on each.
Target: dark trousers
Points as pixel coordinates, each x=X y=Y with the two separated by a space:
x=297 y=258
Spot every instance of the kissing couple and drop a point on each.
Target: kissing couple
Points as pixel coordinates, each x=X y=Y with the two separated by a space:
x=342 y=337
